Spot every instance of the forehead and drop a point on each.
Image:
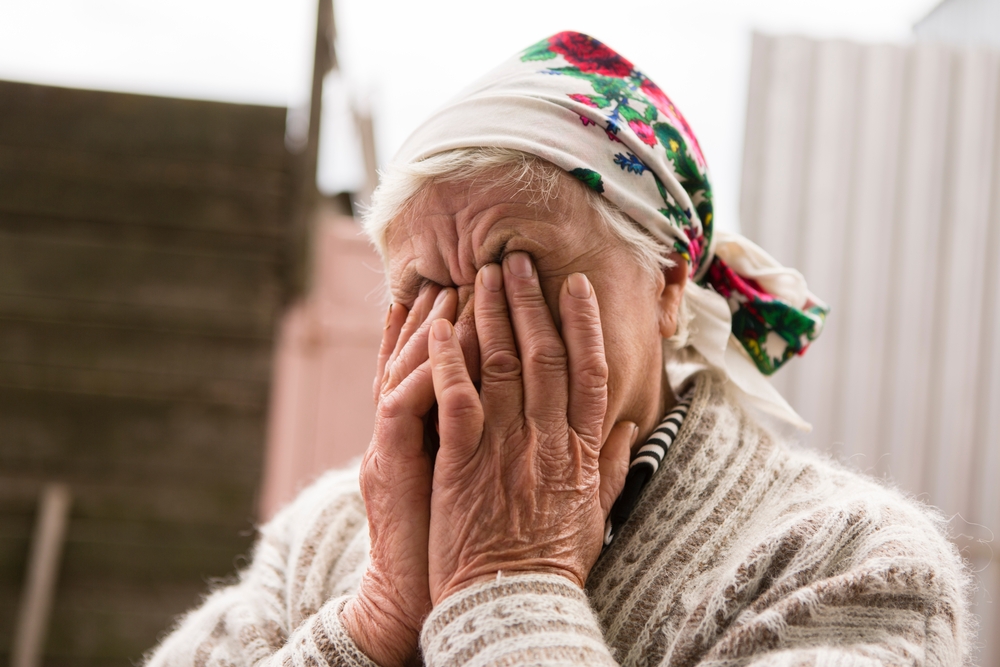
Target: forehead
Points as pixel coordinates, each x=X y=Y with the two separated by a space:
x=456 y=227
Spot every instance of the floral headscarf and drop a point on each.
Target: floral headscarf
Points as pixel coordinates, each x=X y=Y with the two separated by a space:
x=578 y=104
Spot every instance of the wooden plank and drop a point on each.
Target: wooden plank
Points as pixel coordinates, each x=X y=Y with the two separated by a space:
x=143 y=259
x=95 y=167
x=52 y=267
x=135 y=552
x=263 y=245
x=141 y=554
x=142 y=203
x=123 y=384
x=50 y=117
x=129 y=350
x=185 y=495
x=130 y=441
x=195 y=502
x=105 y=620
x=240 y=323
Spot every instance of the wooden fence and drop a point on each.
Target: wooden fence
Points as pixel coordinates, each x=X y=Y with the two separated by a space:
x=144 y=256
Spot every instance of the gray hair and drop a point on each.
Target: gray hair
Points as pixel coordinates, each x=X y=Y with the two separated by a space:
x=522 y=172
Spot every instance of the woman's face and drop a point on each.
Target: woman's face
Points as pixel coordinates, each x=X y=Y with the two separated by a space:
x=453 y=229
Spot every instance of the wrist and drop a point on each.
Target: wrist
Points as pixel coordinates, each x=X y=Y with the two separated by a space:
x=456 y=584
x=380 y=630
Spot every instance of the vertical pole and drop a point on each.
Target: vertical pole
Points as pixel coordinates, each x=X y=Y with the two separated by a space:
x=43 y=568
x=306 y=194
x=363 y=120
x=323 y=62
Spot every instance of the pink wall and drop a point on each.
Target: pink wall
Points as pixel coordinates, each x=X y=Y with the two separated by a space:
x=321 y=411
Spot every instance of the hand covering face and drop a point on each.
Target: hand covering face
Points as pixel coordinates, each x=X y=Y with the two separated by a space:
x=576 y=103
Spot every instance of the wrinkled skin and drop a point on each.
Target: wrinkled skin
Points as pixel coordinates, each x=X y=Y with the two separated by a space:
x=538 y=336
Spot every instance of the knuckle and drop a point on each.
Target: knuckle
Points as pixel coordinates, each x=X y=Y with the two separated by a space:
x=501 y=365
x=460 y=404
x=531 y=301
x=492 y=318
x=452 y=371
x=547 y=357
x=594 y=375
x=389 y=407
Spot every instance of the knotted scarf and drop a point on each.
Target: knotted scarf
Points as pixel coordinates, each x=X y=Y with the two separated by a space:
x=576 y=103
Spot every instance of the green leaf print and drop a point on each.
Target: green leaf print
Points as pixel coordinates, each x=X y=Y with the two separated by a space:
x=590 y=178
x=539 y=51
x=684 y=166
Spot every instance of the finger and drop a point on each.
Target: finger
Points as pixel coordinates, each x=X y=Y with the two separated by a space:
x=613 y=463
x=414 y=352
x=542 y=354
x=394 y=320
x=500 y=367
x=588 y=368
x=417 y=315
x=399 y=415
x=460 y=414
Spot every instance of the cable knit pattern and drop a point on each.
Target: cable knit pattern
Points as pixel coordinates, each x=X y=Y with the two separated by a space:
x=740 y=551
x=515 y=620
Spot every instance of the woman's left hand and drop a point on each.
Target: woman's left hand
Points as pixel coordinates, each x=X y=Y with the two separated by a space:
x=526 y=474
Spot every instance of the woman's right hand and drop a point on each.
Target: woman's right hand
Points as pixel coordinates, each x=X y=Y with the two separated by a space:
x=384 y=618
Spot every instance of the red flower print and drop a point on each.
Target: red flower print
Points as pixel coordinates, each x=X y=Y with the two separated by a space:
x=583 y=99
x=589 y=55
x=586 y=121
x=674 y=116
x=657 y=97
x=643 y=131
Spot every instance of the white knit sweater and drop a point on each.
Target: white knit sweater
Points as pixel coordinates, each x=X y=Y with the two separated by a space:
x=740 y=551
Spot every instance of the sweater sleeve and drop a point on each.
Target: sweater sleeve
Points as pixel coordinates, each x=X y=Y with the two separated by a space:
x=277 y=615
x=525 y=619
x=233 y=628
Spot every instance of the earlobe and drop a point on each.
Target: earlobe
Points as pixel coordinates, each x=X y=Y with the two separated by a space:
x=674 y=280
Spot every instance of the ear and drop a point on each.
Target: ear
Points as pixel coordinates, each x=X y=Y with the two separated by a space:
x=674 y=279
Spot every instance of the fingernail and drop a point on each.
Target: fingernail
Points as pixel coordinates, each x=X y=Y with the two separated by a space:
x=441 y=329
x=520 y=264
x=439 y=299
x=635 y=434
x=578 y=285
x=492 y=277
x=388 y=316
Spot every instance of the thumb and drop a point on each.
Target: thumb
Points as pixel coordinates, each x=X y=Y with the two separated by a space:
x=613 y=462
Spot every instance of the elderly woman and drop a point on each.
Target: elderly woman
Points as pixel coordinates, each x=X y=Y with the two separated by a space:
x=569 y=464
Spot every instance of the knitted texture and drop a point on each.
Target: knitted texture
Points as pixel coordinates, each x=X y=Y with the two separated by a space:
x=740 y=551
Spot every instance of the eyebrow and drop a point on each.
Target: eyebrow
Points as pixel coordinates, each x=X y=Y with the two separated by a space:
x=411 y=281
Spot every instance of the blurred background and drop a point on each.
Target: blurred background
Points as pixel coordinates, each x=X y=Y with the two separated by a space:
x=189 y=316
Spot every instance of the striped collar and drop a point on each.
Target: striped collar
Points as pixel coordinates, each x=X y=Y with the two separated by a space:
x=644 y=465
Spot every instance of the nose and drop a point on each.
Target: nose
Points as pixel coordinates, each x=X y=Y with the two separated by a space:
x=465 y=329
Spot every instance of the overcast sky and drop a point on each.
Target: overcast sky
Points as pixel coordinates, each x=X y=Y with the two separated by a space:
x=405 y=57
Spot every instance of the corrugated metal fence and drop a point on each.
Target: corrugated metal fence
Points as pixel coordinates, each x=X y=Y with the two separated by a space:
x=875 y=169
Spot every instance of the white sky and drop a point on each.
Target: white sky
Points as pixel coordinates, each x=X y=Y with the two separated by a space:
x=405 y=57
